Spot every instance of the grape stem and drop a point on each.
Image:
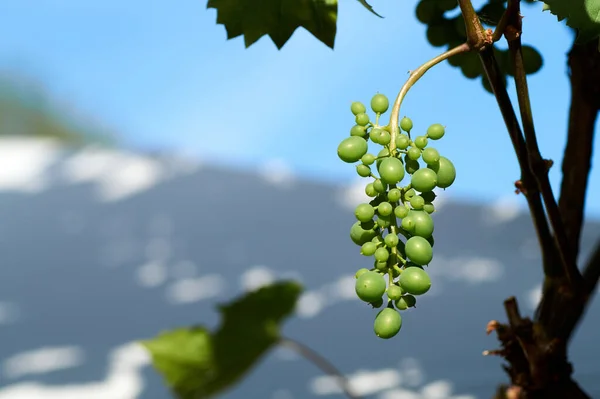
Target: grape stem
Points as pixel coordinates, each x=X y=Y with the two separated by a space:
x=412 y=79
x=319 y=361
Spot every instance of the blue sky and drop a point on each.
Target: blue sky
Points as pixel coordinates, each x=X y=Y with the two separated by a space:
x=163 y=75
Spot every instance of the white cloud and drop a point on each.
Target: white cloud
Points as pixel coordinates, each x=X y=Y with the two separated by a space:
x=25 y=162
x=474 y=270
x=399 y=393
x=277 y=172
x=256 y=277
x=350 y=196
x=310 y=304
x=43 y=360
x=343 y=288
x=362 y=383
x=534 y=296
x=191 y=290
x=437 y=390
x=152 y=274
x=502 y=210
x=411 y=371
x=117 y=174
x=123 y=380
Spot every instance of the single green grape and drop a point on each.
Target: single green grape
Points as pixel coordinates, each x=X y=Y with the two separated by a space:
x=431 y=156
x=405 y=302
x=368 y=248
x=368 y=159
x=385 y=138
x=408 y=224
x=359 y=235
x=417 y=202
x=380 y=103
x=362 y=119
x=445 y=171
x=370 y=190
x=388 y=323
x=384 y=221
x=423 y=223
x=421 y=142
x=382 y=266
x=377 y=304
x=391 y=170
x=391 y=240
x=360 y=272
x=402 y=141
x=375 y=135
x=409 y=194
x=379 y=186
x=384 y=209
x=363 y=170
x=370 y=286
x=418 y=249
x=378 y=239
x=382 y=254
x=406 y=124
x=394 y=195
x=383 y=154
x=429 y=208
x=352 y=149
x=428 y=196
x=400 y=211
x=415 y=280
x=424 y=179
x=358 y=108
x=411 y=166
x=364 y=212
x=394 y=292
x=436 y=131
x=413 y=153
x=358 y=130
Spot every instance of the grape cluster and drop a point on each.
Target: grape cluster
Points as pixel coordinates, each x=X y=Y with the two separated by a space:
x=395 y=227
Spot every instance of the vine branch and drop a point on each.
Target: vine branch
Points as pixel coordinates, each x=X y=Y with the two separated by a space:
x=319 y=361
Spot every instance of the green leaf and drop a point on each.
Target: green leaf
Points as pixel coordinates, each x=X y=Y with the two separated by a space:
x=583 y=15
x=368 y=7
x=199 y=364
x=277 y=18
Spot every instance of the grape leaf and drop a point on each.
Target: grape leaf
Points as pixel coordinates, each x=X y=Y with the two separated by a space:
x=197 y=363
x=368 y=7
x=277 y=18
x=583 y=15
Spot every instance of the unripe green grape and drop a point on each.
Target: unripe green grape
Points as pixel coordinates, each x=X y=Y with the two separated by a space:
x=428 y=196
x=377 y=304
x=411 y=166
x=405 y=302
x=368 y=248
x=417 y=202
x=436 y=131
x=401 y=211
x=382 y=155
x=382 y=266
x=409 y=194
x=383 y=221
x=352 y=149
x=391 y=170
x=406 y=124
x=408 y=224
x=368 y=225
x=363 y=170
x=359 y=131
x=382 y=254
x=385 y=138
x=364 y=212
x=387 y=323
x=380 y=103
x=360 y=272
x=378 y=239
x=394 y=292
x=375 y=135
x=445 y=171
x=359 y=235
x=423 y=223
x=421 y=142
x=358 y=108
x=429 y=208
x=413 y=153
x=402 y=141
x=394 y=195
x=379 y=186
x=370 y=286
x=368 y=159
x=418 y=249
x=424 y=179
x=430 y=155
x=391 y=240
x=384 y=209
x=370 y=190
x=415 y=280
x=362 y=119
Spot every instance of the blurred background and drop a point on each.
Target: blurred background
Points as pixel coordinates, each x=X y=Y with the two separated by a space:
x=150 y=168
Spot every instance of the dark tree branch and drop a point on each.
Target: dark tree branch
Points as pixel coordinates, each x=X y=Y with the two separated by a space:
x=584 y=75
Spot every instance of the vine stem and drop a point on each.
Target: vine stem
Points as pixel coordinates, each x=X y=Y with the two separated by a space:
x=319 y=361
x=412 y=79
